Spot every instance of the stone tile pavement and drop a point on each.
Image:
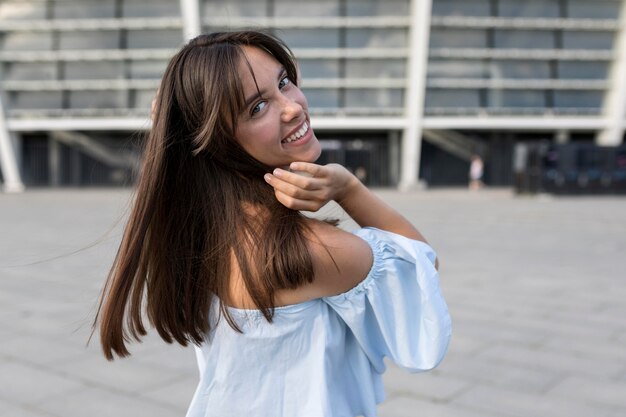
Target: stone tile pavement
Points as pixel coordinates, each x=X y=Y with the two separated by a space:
x=536 y=287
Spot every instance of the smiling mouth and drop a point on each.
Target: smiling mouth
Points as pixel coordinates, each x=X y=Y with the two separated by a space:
x=298 y=135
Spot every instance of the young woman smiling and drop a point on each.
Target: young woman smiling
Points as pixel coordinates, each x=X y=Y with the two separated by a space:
x=290 y=316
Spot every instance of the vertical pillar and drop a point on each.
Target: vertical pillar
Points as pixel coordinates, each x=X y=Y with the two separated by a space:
x=54 y=161
x=417 y=60
x=16 y=144
x=190 y=12
x=393 y=138
x=8 y=163
x=614 y=106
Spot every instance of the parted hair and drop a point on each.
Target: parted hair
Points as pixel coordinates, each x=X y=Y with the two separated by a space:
x=189 y=217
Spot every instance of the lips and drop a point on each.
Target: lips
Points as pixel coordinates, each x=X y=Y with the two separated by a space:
x=298 y=134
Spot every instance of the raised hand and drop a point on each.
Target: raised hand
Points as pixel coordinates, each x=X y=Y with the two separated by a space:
x=310 y=186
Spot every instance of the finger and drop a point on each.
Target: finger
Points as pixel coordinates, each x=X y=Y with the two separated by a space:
x=314 y=170
x=299 y=180
x=296 y=203
x=290 y=189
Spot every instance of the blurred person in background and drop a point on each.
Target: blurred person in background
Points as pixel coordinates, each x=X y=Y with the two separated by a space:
x=289 y=315
x=476 y=173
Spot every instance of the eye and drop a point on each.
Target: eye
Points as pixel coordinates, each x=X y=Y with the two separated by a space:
x=258 y=107
x=284 y=82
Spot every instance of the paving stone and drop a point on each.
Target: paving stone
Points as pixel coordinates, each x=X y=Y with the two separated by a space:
x=593 y=391
x=11 y=410
x=493 y=330
x=429 y=386
x=594 y=348
x=22 y=384
x=465 y=344
x=94 y=402
x=512 y=403
x=411 y=407
x=122 y=374
x=493 y=373
x=176 y=394
x=175 y=357
x=555 y=361
x=38 y=350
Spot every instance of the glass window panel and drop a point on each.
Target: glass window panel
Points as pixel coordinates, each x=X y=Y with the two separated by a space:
x=319 y=68
x=529 y=8
x=587 y=40
x=309 y=8
x=378 y=8
x=144 y=8
x=108 y=39
x=596 y=9
x=37 y=100
x=22 y=10
x=458 y=38
x=234 y=8
x=524 y=39
x=365 y=68
x=310 y=38
x=147 y=69
x=374 y=98
x=578 y=99
x=98 y=99
x=322 y=97
x=461 y=8
x=24 y=41
x=30 y=71
x=519 y=69
x=83 y=9
x=437 y=98
x=583 y=70
x=378 y=38
x=457 y=69
x=516 y=98
x=94 y=70
x=143 y=39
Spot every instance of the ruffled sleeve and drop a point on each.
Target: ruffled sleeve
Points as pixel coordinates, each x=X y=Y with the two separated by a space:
x=398 y=310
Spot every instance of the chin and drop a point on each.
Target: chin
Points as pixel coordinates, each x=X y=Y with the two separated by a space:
x=315 y=152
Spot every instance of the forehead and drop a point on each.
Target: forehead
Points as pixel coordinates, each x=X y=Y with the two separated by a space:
x=257 y=63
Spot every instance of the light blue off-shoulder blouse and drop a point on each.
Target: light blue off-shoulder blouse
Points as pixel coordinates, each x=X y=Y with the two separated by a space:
x=324 y=357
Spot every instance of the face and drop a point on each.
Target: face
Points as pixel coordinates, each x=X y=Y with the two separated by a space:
x=274 y=127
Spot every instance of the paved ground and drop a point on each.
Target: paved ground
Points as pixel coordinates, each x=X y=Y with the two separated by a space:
x=536 y=287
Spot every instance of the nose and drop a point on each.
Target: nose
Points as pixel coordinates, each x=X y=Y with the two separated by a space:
x=291 y=109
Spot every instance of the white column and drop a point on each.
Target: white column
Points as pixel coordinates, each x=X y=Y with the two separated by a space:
x=8 y=163
x=190 y=12
x=419 y=32
x=614 y=106
x=54 y=161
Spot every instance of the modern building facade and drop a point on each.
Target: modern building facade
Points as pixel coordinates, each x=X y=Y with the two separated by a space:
x=400 y=91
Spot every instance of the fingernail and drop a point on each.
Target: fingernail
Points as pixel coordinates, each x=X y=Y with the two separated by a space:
x=267 y=177
x=276 y=172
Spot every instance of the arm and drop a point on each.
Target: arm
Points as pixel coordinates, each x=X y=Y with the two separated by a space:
x=334 y=182
x=351 y=259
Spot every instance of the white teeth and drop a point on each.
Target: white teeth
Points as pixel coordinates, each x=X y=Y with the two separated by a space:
x=298 y=134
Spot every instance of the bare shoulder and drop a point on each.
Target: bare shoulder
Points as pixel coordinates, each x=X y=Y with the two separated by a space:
x=341 y=260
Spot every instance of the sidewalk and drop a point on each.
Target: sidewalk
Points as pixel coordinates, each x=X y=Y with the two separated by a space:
x=536 y=287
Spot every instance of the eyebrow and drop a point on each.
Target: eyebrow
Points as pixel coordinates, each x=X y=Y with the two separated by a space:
x=259 y=94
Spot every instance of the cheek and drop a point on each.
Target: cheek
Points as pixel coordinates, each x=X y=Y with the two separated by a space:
x=301 y=98
x=256 y=138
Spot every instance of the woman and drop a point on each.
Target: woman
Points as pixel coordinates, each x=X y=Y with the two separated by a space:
x=290 y=316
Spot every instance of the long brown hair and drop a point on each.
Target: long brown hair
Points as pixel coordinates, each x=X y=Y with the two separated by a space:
x=188 y=216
